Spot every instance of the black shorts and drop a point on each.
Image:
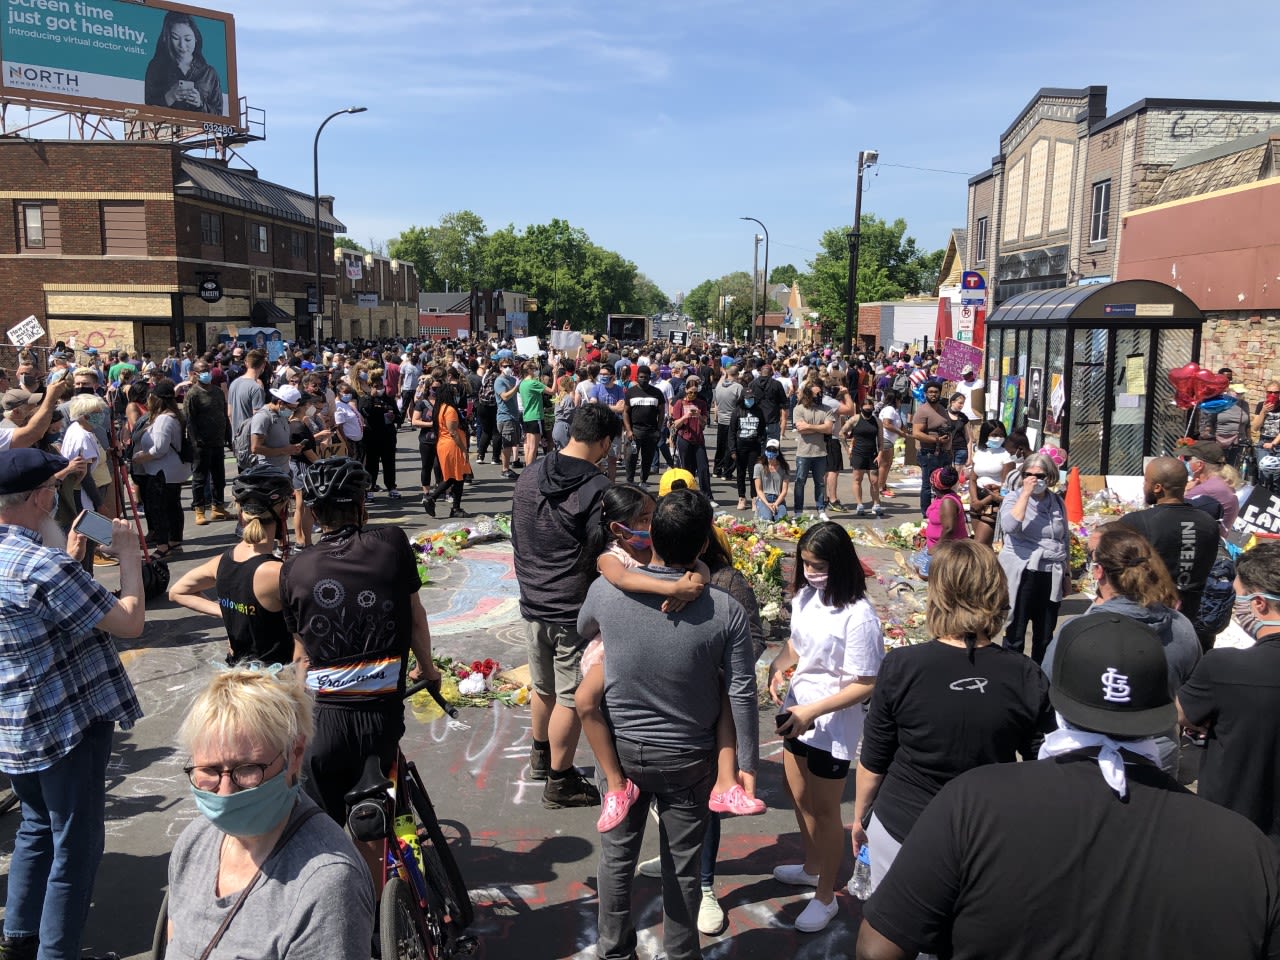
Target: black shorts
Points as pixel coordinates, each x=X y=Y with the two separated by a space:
x=335 y=756
x=835 y=455
x=862 y=461
x=533 y=427
x=820 y=762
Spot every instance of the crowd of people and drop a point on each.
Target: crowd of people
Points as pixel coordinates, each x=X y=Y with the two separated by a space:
x=642 y=635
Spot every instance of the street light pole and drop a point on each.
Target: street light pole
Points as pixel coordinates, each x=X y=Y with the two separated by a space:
x=765 y=305
x=315 y=169
x=865 y=159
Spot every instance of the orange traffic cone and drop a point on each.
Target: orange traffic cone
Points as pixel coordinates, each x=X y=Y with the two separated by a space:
x=1074 y=501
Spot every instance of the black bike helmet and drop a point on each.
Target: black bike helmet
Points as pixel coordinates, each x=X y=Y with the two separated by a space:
x=262 y=484
x=335 y=480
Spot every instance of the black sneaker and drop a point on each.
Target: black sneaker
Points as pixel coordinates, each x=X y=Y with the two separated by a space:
x=571 y=790
x=509 y=475
x=539 y=762
x=23 y=948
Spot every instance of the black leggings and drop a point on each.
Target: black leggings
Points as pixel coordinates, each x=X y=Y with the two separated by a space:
x=443 y=488
x=693 y=457
x=163 y=503
x=1032 y=605
x=381 y=450
x=748 y=455
x=430 y=463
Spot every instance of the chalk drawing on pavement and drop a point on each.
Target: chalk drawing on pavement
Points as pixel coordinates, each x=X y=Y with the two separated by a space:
x=485 y=597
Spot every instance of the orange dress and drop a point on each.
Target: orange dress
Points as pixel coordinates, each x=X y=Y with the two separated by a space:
x=453 y=459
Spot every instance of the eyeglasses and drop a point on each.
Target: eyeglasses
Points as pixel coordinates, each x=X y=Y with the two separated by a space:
x=245 y=776
x=1036 y=476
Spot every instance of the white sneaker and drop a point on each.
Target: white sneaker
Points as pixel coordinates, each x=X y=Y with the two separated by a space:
x=794 y=874
x=816 y=915
x=653 y=868
x=710 y=916
x=858 y=511
x=714 y=505
x=822 y=515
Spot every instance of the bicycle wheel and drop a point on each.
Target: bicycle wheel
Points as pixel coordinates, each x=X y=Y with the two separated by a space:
x=401 y=936
x=442 y=870
x=160 y=939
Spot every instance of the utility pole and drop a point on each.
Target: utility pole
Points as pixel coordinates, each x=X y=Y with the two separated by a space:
x=865 y=159
x=755 y=278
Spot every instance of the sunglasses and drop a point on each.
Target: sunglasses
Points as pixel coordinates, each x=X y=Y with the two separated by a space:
x=1035 y=476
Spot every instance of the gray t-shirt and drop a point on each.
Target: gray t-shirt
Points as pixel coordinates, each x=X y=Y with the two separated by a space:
x=273 y=427
x=812 y=444
x=314 y=901
x=727 y=396
x=245 y=397
x=662 y=672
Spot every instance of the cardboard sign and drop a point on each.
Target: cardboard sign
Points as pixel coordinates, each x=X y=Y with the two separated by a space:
x=28 y=331
x=566 y=341
x=1260 y=513
x=528 y=347
x=955 y=357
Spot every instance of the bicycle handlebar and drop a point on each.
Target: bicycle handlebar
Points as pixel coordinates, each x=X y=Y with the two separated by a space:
x=434 y=690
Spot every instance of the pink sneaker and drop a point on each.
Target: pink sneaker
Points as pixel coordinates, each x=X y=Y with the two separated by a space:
x=614 y=807
x=735 y=801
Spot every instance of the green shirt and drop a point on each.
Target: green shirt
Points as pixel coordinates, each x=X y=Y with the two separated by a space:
x=531 y=391
x=113 y=375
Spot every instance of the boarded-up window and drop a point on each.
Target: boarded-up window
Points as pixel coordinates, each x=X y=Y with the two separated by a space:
x=124 y=229
x=40 y=226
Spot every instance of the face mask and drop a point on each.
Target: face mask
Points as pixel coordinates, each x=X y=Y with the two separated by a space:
x=867 y=411
x=640 y=539
x=1041 y=486
x=816 y=580
x=771 y=454
x=85 y=390
x=1187 y=464
x=348 y=397
x=205 y=377
x=364 y=376
x=248 y=813
x=603 y=381
x=507 y=371
x=53 y=504
x=995 y=443
x=1249 y=622
x=1273 y=397
x=750 y=402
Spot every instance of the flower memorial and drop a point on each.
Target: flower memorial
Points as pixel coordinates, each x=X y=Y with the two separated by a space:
x=435 y=547
x=757 y=560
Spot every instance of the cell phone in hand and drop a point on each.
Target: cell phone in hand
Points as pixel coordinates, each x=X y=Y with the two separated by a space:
x=781 y=719
x=94 y=526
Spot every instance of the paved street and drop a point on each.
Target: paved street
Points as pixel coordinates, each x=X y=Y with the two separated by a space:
x=532 y=871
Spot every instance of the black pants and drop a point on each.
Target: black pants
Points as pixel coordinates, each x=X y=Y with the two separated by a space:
x=443 y=489
x=693 y=457
x=723 y=465
x=406 y=407
x=380 y=449
x=430 y=463
x=163 y=503
x=208 y=476
x=748 y=455
x=1032 y=605
x=646 y=449
x=487 y=430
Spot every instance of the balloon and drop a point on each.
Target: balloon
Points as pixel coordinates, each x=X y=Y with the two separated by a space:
x=918 y=393
x=1217 y=404
x=1192 y=384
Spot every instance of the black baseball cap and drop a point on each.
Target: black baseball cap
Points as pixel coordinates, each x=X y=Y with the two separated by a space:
x=1110 y=676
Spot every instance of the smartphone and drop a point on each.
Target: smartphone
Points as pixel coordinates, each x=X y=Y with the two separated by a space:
x=780 y=720
x=94 y=526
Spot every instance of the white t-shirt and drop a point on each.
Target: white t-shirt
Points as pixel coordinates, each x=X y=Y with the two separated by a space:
x=989 y=466
x=348 y=422
x=79 y=442
x=889 y=417
x=966 y=390
x=835 y=646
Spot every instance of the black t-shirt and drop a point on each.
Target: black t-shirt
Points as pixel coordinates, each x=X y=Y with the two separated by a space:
x=644 y=408
x=348 y=598
x=379 y=412
x=1044 y=860
x=771 y=398
x=746 y=427
x=1237 y=693
x=1186 y=540
x=935 y=715
x=1270 y=424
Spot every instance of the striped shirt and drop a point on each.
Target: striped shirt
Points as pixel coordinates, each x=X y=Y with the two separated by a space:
x=58 y=673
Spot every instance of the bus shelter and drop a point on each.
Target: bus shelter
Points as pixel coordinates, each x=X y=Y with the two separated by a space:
x=1086 y=368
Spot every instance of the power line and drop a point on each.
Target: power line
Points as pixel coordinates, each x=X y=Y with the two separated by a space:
x=907 y=166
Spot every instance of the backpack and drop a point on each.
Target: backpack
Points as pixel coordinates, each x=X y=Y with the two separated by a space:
x=241 y=443
x=901 y=384
x=1218 y=599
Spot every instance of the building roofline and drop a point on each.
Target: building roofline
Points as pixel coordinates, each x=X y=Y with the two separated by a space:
x=986 y=174
x=1164 y=103
x=1082 y=92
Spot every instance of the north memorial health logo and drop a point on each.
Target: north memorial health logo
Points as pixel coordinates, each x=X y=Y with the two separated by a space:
x=28 y=77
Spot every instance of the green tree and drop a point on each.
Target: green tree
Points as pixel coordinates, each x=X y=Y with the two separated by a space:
x=451 y=253
x=784 y=273
x=346 y=243
x=648 y=297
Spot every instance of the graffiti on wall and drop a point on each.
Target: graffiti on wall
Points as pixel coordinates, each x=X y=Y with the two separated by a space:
x=99 y=334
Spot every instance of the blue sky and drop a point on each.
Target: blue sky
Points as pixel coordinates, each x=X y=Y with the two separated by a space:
x=654 y=125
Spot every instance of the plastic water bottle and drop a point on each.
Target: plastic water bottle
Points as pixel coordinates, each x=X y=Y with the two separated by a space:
x=860 y=882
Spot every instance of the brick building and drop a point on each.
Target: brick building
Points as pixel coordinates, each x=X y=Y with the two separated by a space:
x=110 y=242
x=1213 y=231
x=1047 y=213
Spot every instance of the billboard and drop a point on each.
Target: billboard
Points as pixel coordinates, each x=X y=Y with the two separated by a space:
x=166 y=61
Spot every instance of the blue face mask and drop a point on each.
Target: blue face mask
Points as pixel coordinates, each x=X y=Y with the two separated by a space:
x=205 y=377
x=640 y=539
x=749 y=402
x=603 y=381
x=771 y=454
x=249 y=813
x=995 y=443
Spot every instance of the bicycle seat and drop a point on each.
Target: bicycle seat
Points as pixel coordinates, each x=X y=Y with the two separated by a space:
x=373 y=783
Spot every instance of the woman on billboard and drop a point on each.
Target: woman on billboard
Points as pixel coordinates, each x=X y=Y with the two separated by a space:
x=178 y=75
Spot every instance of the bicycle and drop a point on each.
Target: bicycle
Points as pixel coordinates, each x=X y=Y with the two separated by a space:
x=424 y=907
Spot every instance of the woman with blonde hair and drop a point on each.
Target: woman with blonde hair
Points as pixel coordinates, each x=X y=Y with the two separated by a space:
x=1134 y=582
x=947 y=706
x=246 y=577
x=259 y=874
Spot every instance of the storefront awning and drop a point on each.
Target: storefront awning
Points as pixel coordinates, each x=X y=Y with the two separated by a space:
x=265 y=311
x=1122 y=302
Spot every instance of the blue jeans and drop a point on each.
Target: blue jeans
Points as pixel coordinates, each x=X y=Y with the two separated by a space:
x=764 y=513
x=929 y=462
x=680 y=781
x=59 y=846
x=817 y=466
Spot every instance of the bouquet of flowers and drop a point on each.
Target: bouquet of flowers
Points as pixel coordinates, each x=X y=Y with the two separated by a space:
x=905 y=536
